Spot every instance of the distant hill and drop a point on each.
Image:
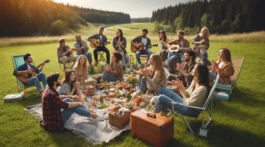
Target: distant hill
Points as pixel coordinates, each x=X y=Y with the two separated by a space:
x=45 y=17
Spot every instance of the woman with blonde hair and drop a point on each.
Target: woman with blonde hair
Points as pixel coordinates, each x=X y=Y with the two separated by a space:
x=154 y=75
x=201 y=44
x=81 y=71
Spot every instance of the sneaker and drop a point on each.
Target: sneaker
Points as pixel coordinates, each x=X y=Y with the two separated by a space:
x=100 y=117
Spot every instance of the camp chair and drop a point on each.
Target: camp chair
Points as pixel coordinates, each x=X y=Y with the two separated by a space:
x=228 y=88
x=17 y=61
x=101 y=56
x=205 y=107
x=68 y=65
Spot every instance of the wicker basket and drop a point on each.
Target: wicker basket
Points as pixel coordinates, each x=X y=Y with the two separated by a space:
x=120 y=121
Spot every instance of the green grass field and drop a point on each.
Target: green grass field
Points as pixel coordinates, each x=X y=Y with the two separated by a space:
x=238 y=122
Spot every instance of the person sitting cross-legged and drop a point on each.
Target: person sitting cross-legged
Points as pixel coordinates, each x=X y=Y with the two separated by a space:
x=195 y=95
x=29 y=70
x=56 y=112
x=114 y=72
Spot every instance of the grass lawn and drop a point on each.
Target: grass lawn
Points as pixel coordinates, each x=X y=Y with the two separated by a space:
x=238 y=122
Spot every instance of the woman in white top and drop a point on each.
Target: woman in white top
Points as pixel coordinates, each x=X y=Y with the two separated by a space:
x=195 y=95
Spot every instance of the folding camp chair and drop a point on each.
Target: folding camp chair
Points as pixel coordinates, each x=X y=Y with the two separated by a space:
x=17 y=61
x=101 y=56
x=205 y=107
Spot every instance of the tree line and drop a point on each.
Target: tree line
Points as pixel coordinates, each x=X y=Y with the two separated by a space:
x=43 y=17
x=143 y=19
x=220 y=16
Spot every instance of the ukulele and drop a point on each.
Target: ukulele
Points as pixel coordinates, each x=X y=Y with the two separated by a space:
x=95 y=43
x=134 y=49
x=24 y=77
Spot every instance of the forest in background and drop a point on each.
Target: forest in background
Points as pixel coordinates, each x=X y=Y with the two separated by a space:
x=45 y=17
x=220 y=16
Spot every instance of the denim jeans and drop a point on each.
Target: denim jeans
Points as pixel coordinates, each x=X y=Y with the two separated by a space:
x=125 y=58
x=164 y=103
x=143 y=84
x=35 y=80
x=142 y=52
x=212 y=76
x=66 y=113
x=174 y=56
x=109 y=77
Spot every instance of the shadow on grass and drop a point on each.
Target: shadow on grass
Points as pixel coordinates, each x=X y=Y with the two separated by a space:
x=248 y=97
x=221 y=135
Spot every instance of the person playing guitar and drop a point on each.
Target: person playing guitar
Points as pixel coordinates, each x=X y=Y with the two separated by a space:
x=82 y=48
x=101 y=46
x=30 y=75
x=146 y=44
x=180 y=45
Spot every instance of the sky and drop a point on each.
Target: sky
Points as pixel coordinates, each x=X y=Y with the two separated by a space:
x=136 y=8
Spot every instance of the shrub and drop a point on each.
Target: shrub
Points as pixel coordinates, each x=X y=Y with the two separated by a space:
x=58 y=27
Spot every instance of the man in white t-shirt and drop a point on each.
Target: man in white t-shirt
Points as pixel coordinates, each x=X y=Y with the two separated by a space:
x=146 y=45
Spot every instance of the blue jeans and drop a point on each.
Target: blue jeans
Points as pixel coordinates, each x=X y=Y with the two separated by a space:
x=142 y=52
x=66 y=113
x=143 y=84
x=35 y=80
x=164 y=103
x=109 y=77
x=212 y=76
x=174 y=56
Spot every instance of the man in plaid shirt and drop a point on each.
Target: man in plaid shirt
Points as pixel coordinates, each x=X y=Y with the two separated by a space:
x=53 y=117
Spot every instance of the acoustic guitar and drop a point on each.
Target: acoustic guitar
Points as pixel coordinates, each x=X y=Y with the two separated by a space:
x=174 y=47
x=134 y=49
x=24 y=77
x=95 y=43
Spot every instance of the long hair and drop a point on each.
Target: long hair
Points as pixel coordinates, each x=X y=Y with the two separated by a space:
x=121 y=36
x=157 y=63
x=203 y=78
x=227 y=55
x=67 y=76
x=77 y=66
x=118 y=56
x=207 y=32
x=164 y=38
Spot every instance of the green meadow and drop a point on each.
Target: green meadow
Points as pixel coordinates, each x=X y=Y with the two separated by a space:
x=238 y=122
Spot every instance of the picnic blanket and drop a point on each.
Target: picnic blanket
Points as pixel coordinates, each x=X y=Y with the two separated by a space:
x=94 y=132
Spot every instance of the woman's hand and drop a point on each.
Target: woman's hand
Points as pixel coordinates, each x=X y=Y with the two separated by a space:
x=179 y=67
x=75 y=98
x=179 y=84
x=145 y=72
x=107 y=68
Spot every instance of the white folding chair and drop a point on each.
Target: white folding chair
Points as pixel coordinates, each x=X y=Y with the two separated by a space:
x=205 y=107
